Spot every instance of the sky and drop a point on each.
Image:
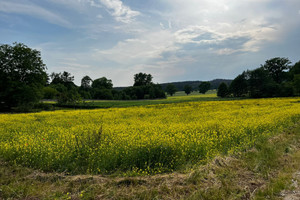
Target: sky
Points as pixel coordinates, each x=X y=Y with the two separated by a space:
x=173 y=40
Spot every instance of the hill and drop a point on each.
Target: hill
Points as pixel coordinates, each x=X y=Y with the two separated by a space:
x=180 y=84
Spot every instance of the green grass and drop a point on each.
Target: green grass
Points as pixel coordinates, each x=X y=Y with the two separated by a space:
x=179 y=97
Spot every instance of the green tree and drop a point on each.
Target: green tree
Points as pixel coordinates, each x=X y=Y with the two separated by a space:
x=296 y=84
x=86 y=82
x=222 y=90
x=102 y=83
x=277 y=68
x=68 y=91
x=50 y=93
x=171 y=89
x=261 y=84
x=63 y=78
x=239 y=85
x=204 y=87
x=22 y=77
x=102 y=88
x=188 y=89
x=141 y=79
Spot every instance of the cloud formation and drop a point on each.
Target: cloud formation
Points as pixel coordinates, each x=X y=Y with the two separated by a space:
x=27 y=8
x=118 y=10
x=172 y=39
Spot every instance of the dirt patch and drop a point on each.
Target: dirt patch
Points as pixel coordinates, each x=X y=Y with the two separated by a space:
x=295 y=193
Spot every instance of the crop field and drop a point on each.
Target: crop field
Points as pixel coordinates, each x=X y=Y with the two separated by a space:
x=141 y=140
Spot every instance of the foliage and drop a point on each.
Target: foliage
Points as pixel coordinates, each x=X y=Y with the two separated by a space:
x=171 y=89
x=67 y=90
x=276 y=78
x=188 y=89
x=152 y=91
x=261 y=84
x=86 y=82
x=22 y=77
x=296 y=83
x=142 y=79
x=204 y=87
x=49 y=93
x=277 y=68
x=102 y=83
x=143 y=88
x=71 y=96
x=64 y=78
x=239 y=86
x=102 y=93
x=223 y=90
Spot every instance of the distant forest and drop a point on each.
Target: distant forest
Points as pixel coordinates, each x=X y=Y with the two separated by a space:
x=214 y=84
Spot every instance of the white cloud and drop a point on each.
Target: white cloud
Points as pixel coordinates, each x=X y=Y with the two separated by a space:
x=141 y=49
x=33 y=10
x=121 y=12
x=225 y=51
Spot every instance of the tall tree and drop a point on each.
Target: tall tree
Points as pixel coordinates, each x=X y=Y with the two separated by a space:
x=171 y=89
x=64 y=78
x=22 y=76
x=204 y=87
x=141 y=79
x=239 y=86
x=222 y=90
x=277 y=68
x=86 y=82
x=261 y=84
x=102 y=83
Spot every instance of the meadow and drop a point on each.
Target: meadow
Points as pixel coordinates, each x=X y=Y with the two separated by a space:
x=141 y=140
x=178 y=97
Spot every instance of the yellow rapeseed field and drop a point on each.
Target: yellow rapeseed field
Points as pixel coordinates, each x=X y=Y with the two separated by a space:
x=148 y=139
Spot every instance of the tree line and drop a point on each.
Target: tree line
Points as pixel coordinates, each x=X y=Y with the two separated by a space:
x=65 y=91
x=24 y=82
x=276 y=78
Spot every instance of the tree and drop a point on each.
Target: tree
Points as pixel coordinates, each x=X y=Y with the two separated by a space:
x=64 y=78
x=296 y=84
x=296 y=68
x=86 y=82
x=22 y=77
x=141 y=79
x=277 y=68
x=239 y=85
x=171 y=89
x=50 y=93
x=67 y=90
x=188 y=89
x=204 y=87
x=261 y=84
x=222 y=90
x=102 y=83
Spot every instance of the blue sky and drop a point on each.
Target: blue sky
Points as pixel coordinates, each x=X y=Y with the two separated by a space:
x=174 y=40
